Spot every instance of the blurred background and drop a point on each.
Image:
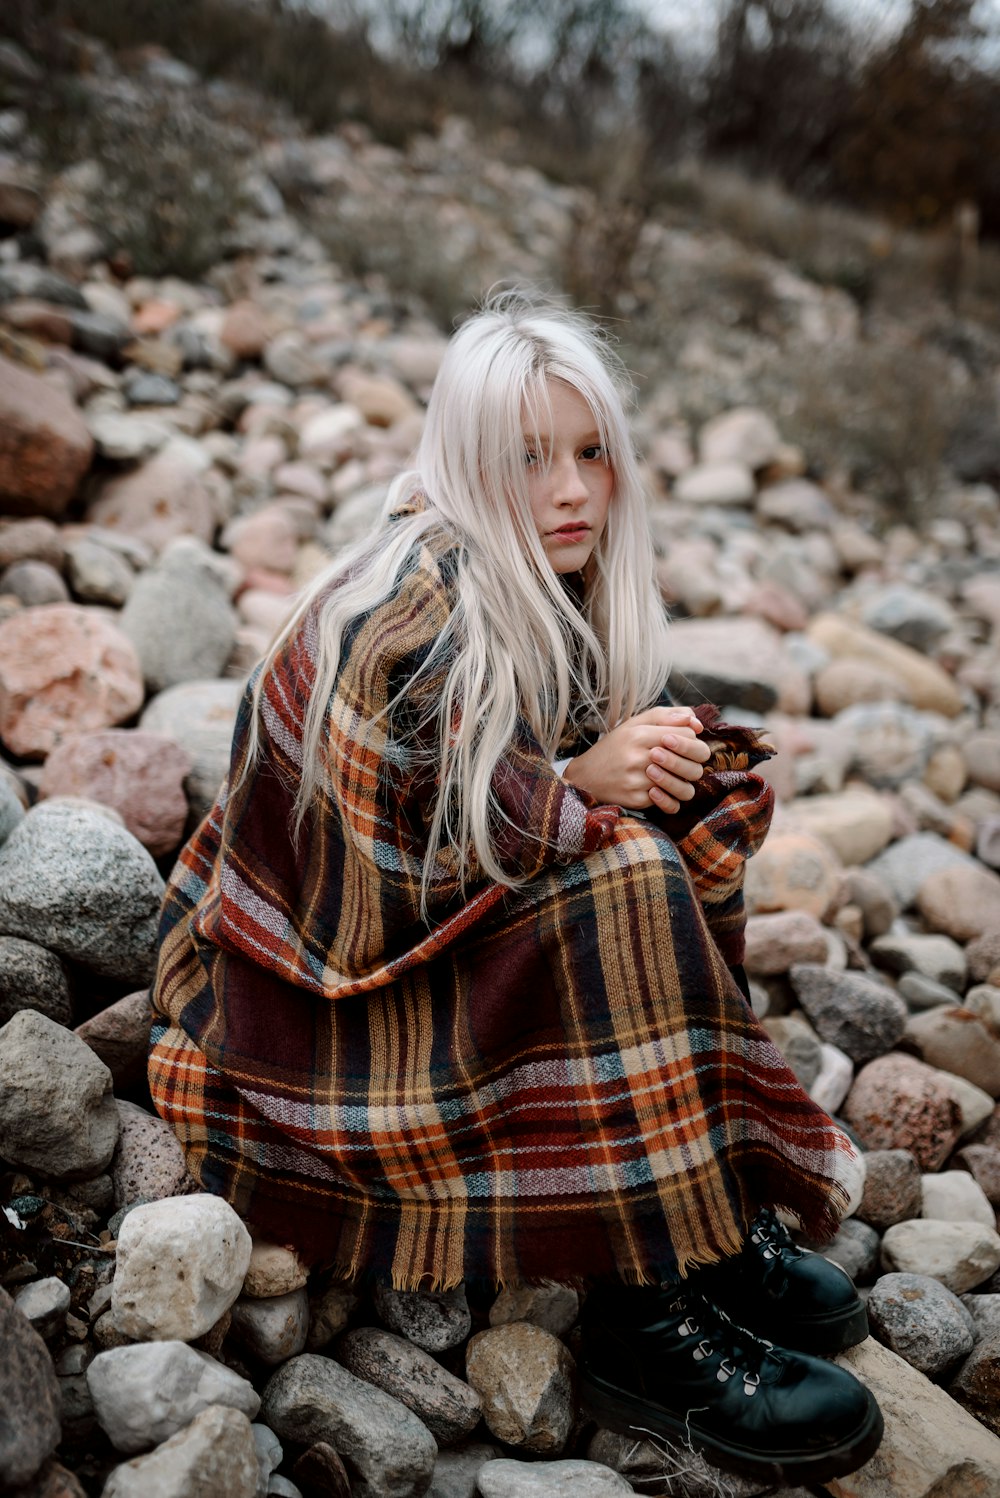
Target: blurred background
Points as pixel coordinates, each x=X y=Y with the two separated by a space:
x=706 y=176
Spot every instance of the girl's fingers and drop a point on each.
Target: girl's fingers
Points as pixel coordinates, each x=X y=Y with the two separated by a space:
x=675 y=764
x=662 y=800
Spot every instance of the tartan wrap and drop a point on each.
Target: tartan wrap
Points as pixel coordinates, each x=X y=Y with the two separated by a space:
x=560 y=1081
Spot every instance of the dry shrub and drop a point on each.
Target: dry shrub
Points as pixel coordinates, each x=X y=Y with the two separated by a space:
x=883 y=412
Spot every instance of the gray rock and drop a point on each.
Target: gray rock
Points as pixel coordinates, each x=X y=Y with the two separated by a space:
x=434 y=1319
x=329 y=1312
x=145 y=1393
x=11 y=810
x=860 y=1016
x=34 y=281
x=985 y=1313
x=145 y=388
x=34 y=583
x=98 y=334
x=567 y=1479
x=552 y=1307
x=97 y=574
x=200 y=715
x=179 y=618
x=283 y=1487
x=976 y=1384
x=57 y=1109
x=921 y=1321
x=214 y=1455
x=448 y=1407
x=457 y=1470
x=955 y=1040
x=149 y=1163
x=29 y=1398
x=73 y=880
x=270 y=1453
x=45 y=1303
x=893 y=1189
x=935 y=957
x=905 y=864
x=855 y=1249
x=180 y=1265
x=274 y=1329
x=911 y=615
x=32 y=978
x=890 y=743
x=799 y=1044
x=924 y=993
x=390 y=1451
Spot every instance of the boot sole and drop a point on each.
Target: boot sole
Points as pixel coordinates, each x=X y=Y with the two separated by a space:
x=631 y=1415
x=821 y=1336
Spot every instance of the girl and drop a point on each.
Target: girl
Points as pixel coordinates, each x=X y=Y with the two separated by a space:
x=448 y=984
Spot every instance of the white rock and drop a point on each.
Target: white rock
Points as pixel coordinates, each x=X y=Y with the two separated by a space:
x=959 y=1254
x=833 y=1081
x=269 y=1453
x=975 y=1104
x=955 y=1196
x=147 y=1392
x=181 y=1263
x=567 y=1479
x=45 y=1303
x=274 y=1270
x=331 y=433
x=716 y=484
x=214 y=1457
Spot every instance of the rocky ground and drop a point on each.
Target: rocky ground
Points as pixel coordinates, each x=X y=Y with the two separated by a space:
x=177 y=459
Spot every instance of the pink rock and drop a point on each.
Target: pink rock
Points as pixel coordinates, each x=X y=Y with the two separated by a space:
x=140 y=774
x=776 y=941
x=962 y=901
x=776 y=605
x=63 y=670
x=300 y=478
x=162 y=499
x=268 y=538
x=794 y=871
x=155 y=316
x=245 y=330
x=119 y=1035
x=31 y=541
x=381 y=400
x=45 y=447
x=898 y=1102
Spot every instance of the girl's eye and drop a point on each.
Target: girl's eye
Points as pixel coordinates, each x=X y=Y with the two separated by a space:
x=593 y=454
x=530 y=458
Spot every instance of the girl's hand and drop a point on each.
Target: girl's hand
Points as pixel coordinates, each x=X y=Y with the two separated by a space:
x=652 y=759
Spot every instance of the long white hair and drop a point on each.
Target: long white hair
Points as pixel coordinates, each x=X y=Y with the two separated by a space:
x=520 y=647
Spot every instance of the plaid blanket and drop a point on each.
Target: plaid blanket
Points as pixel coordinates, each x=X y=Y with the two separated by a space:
x=559 y=1081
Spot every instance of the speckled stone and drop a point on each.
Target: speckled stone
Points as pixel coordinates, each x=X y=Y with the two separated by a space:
x=434 y=1320
x=892 y=1190
x=149 y=1162
x=448 y=1407
x=976 y=1386
x=860 y=1016
x=898 y=1102
x=855 y=1249
x=953 y=1039
x=553 y=1307
x=524 y=1377
x=921 y=1320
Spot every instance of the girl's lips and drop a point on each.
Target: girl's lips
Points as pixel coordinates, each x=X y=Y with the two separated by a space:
x=571 y=531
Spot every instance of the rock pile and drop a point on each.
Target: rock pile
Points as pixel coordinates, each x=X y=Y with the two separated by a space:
x=176 y=461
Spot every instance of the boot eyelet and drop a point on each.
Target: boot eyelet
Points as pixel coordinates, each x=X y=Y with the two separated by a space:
x=703 y=1350
x=688 y=1327
x=750 y=1382
x=726 y=1371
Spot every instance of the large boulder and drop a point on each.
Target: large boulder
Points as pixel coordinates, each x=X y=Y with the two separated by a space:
x=57 y=1109
x=73 y=880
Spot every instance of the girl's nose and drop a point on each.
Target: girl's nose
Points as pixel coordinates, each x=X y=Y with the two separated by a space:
x=567 y=483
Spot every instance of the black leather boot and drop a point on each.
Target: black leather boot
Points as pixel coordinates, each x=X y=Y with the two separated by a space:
x=783 y=1292
x=669 y=1362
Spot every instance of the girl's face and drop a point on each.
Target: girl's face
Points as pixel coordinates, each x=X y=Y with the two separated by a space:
x=569 y=478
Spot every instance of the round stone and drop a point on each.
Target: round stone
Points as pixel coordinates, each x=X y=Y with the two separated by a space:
x=920 y=1320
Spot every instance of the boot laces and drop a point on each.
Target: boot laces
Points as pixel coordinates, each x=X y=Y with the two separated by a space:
x=770 y=1235
x=741 y=1352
